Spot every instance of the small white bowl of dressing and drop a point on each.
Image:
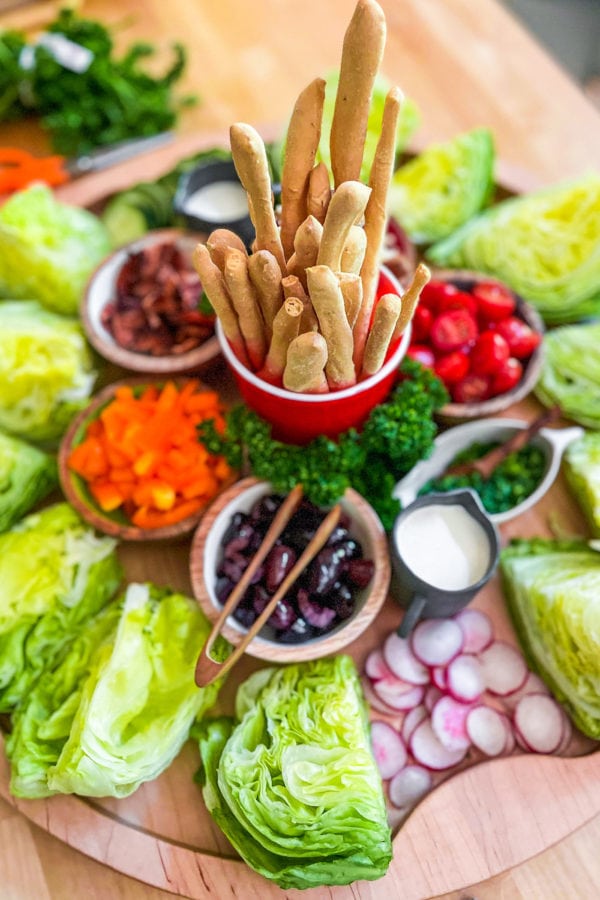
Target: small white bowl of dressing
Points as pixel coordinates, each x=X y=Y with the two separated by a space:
x=212 y=196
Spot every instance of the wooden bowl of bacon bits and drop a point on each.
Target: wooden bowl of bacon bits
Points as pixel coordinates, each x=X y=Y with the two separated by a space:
x=144 y=307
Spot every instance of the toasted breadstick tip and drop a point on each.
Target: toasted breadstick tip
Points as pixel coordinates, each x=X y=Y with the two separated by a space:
x=354 y=250
x=286 y=325
x=327 y=299
x=411 y=297
x=382 y=330
x=351 y=287
x=265 y=275
x=218 y=241
x=319 y=192
x=345 y=209
x=216 y=291
x=245 y=302
x=306 y=360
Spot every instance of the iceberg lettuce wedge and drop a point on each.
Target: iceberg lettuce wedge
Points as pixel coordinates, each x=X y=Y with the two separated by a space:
x=570 y=376
x=582 y=468
x=26 y=476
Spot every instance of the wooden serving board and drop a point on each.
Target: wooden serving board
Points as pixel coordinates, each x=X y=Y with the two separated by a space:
x=476 y=823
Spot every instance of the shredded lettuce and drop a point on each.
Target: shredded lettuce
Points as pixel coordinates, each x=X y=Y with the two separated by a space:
x=48 y=250
x=553 y=594
x=55 y=573
x=445 y=186
x=292 y=781
x=26 y=476
x=582 y=468
x=46 y=373
x=570 y=375
x=545 y=246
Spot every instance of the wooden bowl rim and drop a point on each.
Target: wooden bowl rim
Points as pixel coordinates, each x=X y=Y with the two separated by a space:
x=68 y=479
x=129 y=359
x=453 y=413
x=317 y=647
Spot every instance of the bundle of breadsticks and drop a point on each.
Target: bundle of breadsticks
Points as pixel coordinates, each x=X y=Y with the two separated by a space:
x=302 y=310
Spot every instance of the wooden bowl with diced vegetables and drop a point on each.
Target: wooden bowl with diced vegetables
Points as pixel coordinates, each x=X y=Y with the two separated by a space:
x=143 y=307
x=131 y=462
x=481 y=339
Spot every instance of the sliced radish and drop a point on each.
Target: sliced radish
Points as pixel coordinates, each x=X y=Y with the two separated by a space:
x=511 y=741
x=488 y=730
x=504 y=669
x=464 y=676
x=436 y=641
x=448 y=722
x=432 y=695
x=438 y=677
x=388 y=749
x=398 y=694
x=412 y=718
x=409 y=785
x=539 y=722
x=428 y=750
x=375 y=666
x=402 y=661
x=533 y=685
x=376 y=702
x=477 y=629
x=567 y=736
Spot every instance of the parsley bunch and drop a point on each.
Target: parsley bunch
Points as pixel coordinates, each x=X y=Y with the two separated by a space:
x=397 y=434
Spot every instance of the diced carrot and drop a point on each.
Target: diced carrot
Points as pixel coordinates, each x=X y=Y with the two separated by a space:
x=145 y=463
x=107 y=495
x=147 y=518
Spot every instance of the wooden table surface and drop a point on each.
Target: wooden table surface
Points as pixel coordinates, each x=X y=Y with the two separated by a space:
x=465 y=64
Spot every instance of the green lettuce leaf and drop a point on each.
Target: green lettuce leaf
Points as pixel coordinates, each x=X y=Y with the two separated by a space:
x=26 y=476
x=48 y=249
x=553 y=594
x=582 y=468
x=46 y=373
x=139 y=699
x=545 y=246
x=292 y=783
x=55 y=573
x=570 y=375
x=438 y=191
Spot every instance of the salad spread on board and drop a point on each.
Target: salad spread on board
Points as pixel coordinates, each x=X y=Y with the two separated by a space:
x=318 y=759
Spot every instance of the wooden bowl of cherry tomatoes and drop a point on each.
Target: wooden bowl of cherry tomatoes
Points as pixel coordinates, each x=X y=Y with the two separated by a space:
x=483 y=341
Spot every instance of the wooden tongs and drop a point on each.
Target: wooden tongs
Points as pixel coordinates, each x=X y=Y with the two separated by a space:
x=207 y=668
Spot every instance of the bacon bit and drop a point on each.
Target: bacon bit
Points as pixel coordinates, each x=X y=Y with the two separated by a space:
x=142 y=454
x=156 y=306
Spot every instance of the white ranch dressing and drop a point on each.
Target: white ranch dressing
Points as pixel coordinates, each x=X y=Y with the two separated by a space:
x=221 y=201
x=444 y=546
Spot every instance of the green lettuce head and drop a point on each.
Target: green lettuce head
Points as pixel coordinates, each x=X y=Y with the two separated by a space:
x=292 y=783
x=570 y=376
x=48 y=249
x=55 y=573
x=26 y=476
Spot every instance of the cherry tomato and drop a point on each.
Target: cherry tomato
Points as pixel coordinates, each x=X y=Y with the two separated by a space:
x=422 y=354
x=489 y=353
x=436 y=293
x=421 y=323
x=495 y=301
x=506 y=378
x=471 y=388
x=453 y=330
x=460 y=300
x=452 y=367
x=521 y=339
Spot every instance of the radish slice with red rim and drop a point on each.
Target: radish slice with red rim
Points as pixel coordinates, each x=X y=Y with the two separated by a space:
x=436 y=641
x=464 y=677
x=412 y=718
x=409 y=785
x=438 y=677
x=539 y=722
x=432 y=695
x=504 y=669
x=428 y=750
x=511 y=741
x=388 y=749
x=533 y=685
x=375 y=666
x=567 y=736
x=401 y=660
x=376 y=702
x=398 y=694
x=448 y=722
x=488 y=730
x=477 y=629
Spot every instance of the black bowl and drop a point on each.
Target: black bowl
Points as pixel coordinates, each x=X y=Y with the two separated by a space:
x=202 y=176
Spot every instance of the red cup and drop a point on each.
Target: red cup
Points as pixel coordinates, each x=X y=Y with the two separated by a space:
x=298 y=418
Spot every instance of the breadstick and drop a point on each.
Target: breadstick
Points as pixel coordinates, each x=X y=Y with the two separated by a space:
x=218 y=241
x=346 y=207
x=354 y=250
x=306 y=359
x=250 y=159
x=361 y=56
x=380 y=335
x=319 y=192
x=245 y=303
x=328 y=302
x=376 y=217
x=265 y=275
x=306 y=248
x=351 y=287
x=286 y=325
x=292 y=287
x=303 y=135
x=213 y=283
x=410 y=298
